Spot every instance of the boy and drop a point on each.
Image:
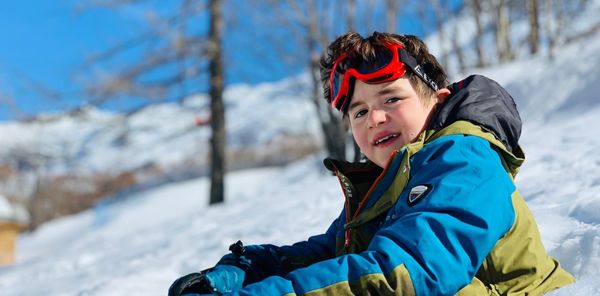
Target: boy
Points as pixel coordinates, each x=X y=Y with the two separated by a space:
x=434 y=211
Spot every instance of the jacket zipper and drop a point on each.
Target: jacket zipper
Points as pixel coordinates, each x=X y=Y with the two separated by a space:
x=348 y=231
x=347 y=209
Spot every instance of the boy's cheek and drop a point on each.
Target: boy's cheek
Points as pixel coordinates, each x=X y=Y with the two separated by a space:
x=360 y=137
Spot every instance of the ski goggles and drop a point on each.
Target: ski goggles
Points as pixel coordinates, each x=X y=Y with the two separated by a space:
x=388 y=66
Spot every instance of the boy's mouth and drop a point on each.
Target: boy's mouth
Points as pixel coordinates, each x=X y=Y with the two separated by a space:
x=385 y=139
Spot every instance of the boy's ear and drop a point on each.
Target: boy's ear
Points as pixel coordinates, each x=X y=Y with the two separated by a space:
x=442 y=94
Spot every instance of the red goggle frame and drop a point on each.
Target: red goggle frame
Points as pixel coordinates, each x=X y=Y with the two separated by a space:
x=392 y=68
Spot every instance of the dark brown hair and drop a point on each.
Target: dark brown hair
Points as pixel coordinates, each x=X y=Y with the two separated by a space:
x=367 y=49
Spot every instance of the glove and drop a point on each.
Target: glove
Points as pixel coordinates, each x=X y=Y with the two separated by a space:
x=191 y=283
x=225 y=277
x=218 y=280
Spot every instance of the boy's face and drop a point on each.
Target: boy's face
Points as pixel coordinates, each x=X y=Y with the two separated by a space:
x=385 y=117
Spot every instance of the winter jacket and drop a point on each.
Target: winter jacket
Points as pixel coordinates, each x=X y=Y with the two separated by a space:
x=444 y=217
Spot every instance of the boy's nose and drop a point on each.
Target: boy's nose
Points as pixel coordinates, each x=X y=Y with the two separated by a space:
x=377 y=117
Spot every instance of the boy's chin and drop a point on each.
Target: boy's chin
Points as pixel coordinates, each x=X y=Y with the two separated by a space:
x=384 y=157
x=381 y=160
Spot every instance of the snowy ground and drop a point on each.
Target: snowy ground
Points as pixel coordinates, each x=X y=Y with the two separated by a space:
x=561 y=183
x=139 y=246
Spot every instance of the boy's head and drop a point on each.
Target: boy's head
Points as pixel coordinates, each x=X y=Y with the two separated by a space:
x=368 y=54
x=387 y=85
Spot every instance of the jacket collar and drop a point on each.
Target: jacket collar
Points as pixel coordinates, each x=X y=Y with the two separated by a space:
x=482 y=101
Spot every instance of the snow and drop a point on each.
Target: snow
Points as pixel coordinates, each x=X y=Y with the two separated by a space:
x=6 y=210
x=12 y=213
x=97 y=141
x=139 y=245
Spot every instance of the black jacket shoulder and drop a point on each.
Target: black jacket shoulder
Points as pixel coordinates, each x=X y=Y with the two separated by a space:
x=484 y=102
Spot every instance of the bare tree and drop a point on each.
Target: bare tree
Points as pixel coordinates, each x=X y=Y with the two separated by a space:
x=369 y=23
x=502 y=30
x=178 y=51
x=309 y=25
x=165 y=46
x=32 y=88
x=391 y=15
x=331 y=124
x=534 y=27
x=439 y=20
x=550 y=27
x=350 y=14
x=477 y=13
x=558 y=9
x=8 y=102
x=217 y=142
x=559 y=15
x=457 y=47
x=316 y=34
x=444 y=8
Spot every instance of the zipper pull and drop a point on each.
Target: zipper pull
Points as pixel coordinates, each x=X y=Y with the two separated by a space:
x=347 y=240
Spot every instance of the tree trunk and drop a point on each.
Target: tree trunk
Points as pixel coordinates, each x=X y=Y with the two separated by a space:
x=560 y=19
x=503 y=43
x=217 y=142
x=332 y=125
x=369 y=23
x=460 y=56
x=439 y=14
x=391 y=13
x=455 y=37
x=351 y=13
x=549 y=26
x=477 y=11
x=534 y=28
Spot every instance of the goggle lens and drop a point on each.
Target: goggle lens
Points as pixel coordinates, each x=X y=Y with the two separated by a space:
x=338 y=79
x=381 y=61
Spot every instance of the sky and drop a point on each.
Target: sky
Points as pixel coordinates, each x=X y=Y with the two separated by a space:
x=44 y=45
x=44 y=42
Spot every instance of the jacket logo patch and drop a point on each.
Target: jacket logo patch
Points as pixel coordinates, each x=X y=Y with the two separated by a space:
x=417 y=193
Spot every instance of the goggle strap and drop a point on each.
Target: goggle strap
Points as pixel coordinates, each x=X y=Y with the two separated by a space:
x=411 y=62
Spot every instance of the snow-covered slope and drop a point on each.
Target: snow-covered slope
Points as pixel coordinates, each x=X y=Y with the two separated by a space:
x=98 y=141
x=554 y=90
x=561 y=184
x=139 y=246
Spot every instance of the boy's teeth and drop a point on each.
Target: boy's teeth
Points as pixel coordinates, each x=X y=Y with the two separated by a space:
x=384 y=139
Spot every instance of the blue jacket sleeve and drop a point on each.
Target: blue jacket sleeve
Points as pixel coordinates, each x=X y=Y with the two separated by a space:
x=261 y=261
x=435 y=244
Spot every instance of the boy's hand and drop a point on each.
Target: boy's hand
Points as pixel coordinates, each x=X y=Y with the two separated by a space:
x=218 y=280
x=227 y=276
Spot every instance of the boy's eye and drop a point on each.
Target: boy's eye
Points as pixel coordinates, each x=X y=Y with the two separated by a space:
x=360 y=113
x=392 y=100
